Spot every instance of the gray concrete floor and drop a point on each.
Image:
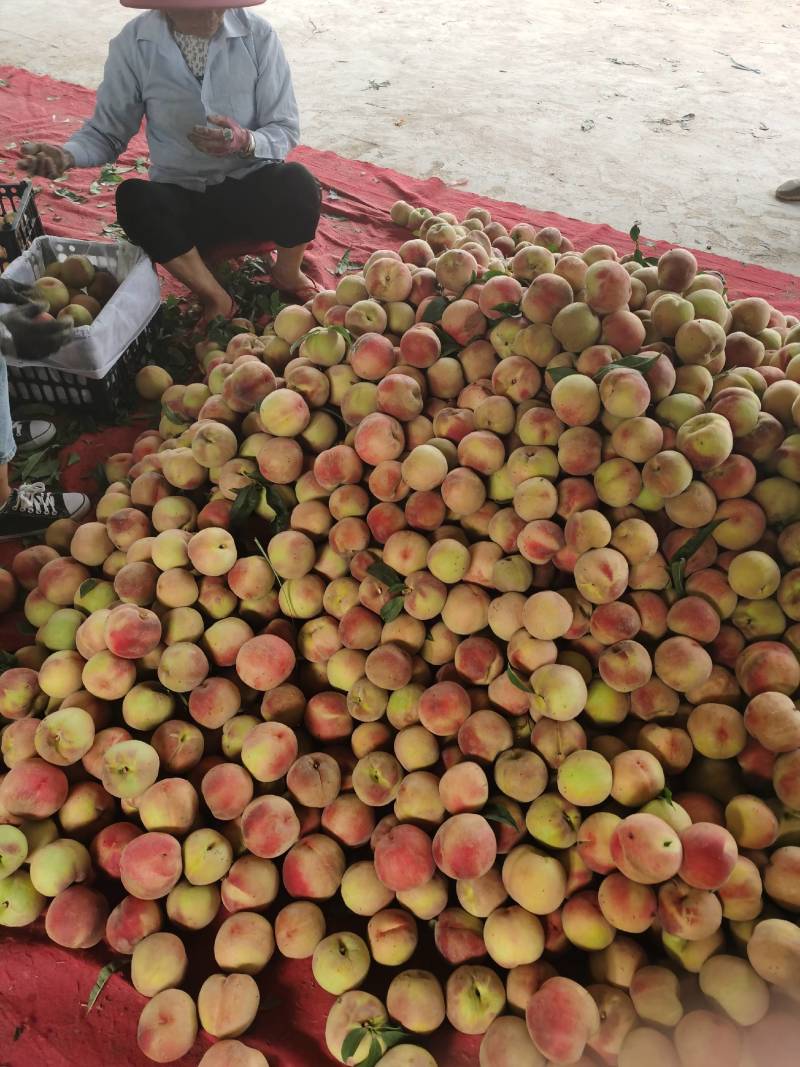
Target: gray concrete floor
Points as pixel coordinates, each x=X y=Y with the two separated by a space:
x=606 y=110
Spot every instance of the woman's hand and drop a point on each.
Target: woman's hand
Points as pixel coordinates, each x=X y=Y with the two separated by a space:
x=32 y=339
x=230 y=140
x=14 y=292
x=47 y=160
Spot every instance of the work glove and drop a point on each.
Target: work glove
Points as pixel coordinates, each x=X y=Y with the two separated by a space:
x=47 y=160
x=230 y=140
x=35 y=340
x=14 y=292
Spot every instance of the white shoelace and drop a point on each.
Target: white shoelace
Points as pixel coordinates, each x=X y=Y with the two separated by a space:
x=35 y=497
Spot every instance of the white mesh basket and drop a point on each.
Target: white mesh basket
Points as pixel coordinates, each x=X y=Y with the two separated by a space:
x=96 y=348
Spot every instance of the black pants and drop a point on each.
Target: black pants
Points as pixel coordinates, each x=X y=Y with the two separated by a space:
x=279 y=202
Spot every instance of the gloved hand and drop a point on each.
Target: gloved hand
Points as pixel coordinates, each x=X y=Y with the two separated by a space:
x=230 y=140
x=47 y=160
x=35 y=340
x=14 y=292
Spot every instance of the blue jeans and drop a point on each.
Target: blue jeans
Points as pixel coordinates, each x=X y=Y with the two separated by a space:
x=7 y=447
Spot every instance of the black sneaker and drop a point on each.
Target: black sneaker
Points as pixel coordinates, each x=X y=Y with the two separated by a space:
x=33 y=434
x=33 y=507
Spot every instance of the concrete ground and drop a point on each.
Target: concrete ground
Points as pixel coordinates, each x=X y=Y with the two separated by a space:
x=681 y=114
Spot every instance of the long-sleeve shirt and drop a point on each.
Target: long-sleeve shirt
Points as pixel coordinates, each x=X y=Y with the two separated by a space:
x=247 y=78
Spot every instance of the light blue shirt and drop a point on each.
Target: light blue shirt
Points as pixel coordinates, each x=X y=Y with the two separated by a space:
x=247 y=78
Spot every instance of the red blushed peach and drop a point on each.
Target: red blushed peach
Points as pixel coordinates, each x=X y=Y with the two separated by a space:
x=443 y=708
x=131 y=632
x=130 y=922
x=464 y=846
x=314 y=779
x=107 y=846
x=646 y=849
x=76 y=917
x=150 y=865
x=683 y=664
x=264 y=662
x=709 y=855
x=484 y=735
x=459 y=936
x=227 y=790
x=313 y=868
x=768 y=666
x=33 y=789
x=269 y=750
x=28 y=563
x=562 y=1017
x=464 y=787
x=403 y=858
x=167 y=1026
x=270 y=826
x=349 y=820
x=691 y=914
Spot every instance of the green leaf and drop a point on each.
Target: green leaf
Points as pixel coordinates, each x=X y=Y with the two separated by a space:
x=635 y=232
x=676 y=570
x=382 y=572
x=375 y=1047
x=493 y=274
x=515 y=680
x=666 y=794
x=67 y=194
x=434 y=311
x=393 y=1035
x=87 y=586
x=281 y=509
x=102 y=979
x=557 y=373
x=497 y=813
x=72 y=459
x=346 y=263
x=261 y=549
x=507 y=308
x=344 y=332
x=392 y=609
x=449 y=346
x=352 y=1041
x=640 y=363
x=245 y=504
x=688 y=548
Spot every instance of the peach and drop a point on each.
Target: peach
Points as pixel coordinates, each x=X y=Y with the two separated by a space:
x=415 y=999
x=393 y=936
x=688 y=913
x=158 y=962
x=60 y=864
x=131 y=632
x=646 y=1045
x=250 y=884
x=150 y=865
x=474 y=998
x=130 y=922
x=340 y=962
x=646 y=849
x=353 y=1011
x=585 y=778
x=33 y=789
x=559 y=692
x=534 y=880
x=244 y=942
x=20 y=904
x=167 y=1026
x=700 y=1034
x=459 y=936
x=313 y=868
x=230 y=1053
x=562 y=1017
x=264 y=662
x=64 y=736
x=377 y=778
x=76 y=917
x=627 y=905
x=733 y=984
x=403 y=858
x=513 y=937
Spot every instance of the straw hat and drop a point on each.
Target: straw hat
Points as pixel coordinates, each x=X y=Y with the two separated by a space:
x=188 y=5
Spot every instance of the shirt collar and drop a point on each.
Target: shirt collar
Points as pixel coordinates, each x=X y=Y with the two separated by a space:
x=153 y=26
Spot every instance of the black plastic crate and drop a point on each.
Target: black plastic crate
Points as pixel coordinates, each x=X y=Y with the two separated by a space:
x=103 y=397
x=26 y=227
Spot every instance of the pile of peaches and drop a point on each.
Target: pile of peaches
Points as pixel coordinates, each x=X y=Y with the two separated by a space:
x=455 y=614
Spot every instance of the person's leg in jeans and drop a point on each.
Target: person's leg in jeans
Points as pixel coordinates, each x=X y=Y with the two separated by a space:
x=279 y=202
x=28 y=509
x=7 y=447
x=163 y=220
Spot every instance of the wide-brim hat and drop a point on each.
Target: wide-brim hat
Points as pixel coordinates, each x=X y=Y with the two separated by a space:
x=187 y=5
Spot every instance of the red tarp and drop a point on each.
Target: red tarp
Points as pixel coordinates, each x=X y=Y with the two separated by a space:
x=44 y=988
